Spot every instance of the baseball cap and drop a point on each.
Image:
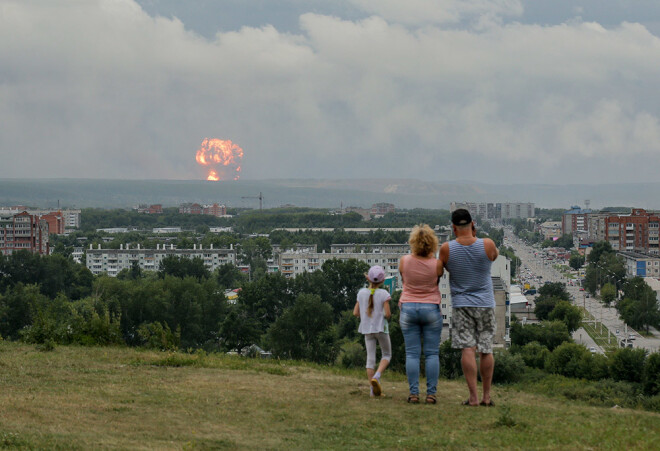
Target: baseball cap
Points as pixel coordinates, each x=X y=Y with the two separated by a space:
x=461 y=217
x=376 y=274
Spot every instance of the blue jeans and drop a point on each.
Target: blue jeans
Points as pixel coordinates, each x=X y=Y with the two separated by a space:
x=421 y=321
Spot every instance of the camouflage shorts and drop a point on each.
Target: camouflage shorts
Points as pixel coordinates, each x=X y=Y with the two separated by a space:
x=473 y=326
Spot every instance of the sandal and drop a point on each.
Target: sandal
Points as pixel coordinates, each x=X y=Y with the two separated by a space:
x=413 y=399
x=487 y=404
x=430 y=399
x=467 y=403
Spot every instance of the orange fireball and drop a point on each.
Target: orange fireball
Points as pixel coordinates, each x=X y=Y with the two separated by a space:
x=221 y=157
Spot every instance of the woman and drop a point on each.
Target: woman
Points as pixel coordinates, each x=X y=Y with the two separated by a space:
x=420 y=317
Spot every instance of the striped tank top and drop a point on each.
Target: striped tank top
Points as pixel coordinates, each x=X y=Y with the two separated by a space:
x=469 y=275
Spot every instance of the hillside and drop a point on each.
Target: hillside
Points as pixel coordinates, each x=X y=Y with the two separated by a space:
x=83 y=193
x=118 y=398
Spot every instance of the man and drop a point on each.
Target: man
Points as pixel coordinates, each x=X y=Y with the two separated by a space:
x=468 y=261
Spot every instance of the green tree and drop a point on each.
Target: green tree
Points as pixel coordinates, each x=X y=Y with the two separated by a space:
x=568 y=314
x=345 y=278
x=565 y=241
x=651 y=375
x=305 y=331
x=566 y=360
x=639 y=307
x=576 y=261
x=545 y=306
x=627 y=364
x=239 y=329
x=554 y=289
x=608 y=293
x=182 y=266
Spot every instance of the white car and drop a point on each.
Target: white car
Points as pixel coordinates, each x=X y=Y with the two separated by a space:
x=592 y=350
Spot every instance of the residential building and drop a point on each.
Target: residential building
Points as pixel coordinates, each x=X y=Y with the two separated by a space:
x=23 y=231
x=215 y=210
x=637 y=231
x=641 y=265
x=497 y=211
x=575 y=221
x=70 y=218
x=150 y=209
x=191 y=209
x=381 y=209
x=550 y=229
x=55 y=222
x=112 y=261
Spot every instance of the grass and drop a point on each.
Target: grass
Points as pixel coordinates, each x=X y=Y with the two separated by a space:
x=119 y=398
x=598 y=332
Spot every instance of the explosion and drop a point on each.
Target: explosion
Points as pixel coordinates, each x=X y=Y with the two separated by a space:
x=222 y=157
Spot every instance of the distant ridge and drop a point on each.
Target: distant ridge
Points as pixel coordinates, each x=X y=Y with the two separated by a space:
x=326 y=193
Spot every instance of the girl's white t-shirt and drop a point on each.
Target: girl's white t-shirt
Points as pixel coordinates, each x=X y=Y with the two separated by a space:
x=376 y=322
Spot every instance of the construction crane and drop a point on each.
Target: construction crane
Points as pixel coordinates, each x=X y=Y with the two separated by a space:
x=260 y=197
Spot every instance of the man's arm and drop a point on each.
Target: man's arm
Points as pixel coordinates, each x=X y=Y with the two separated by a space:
x=491 y=249
x=444 y=255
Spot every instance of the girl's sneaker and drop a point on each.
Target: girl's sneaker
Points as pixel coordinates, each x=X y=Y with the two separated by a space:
x=375 y=386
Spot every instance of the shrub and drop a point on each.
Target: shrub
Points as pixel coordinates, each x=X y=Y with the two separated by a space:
x=627 y=364
x=156 y=336
x=352 y=355
x=508 y=367
x=450 y=361
x=652 y=375
x=566 y=360
x=534 y=354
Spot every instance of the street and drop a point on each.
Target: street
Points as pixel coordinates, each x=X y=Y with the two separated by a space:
x=535 y=269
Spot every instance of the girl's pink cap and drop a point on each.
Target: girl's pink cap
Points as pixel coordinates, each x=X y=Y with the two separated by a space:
x=376 y=274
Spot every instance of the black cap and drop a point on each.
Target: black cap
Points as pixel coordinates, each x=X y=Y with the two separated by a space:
x=461 y=217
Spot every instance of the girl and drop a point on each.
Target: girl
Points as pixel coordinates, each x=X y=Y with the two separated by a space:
x=373 y=309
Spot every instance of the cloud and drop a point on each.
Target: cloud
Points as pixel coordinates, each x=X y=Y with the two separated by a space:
x=102 y=89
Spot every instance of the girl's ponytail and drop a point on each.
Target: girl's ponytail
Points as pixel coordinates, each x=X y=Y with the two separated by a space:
x=370 y=307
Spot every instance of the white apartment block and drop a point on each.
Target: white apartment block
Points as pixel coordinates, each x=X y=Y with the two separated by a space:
x=112 y=261
x=639 y=265
x=497 y=211
x=71 y=217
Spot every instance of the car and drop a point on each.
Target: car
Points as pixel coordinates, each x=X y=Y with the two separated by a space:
x=592 y=350
x=631 y=337
x=581 y=289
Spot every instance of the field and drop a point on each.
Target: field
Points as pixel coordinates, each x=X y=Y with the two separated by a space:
x=119 y=398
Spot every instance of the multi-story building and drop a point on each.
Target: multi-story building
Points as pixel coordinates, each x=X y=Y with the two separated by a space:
x=55 y=222
x=70 y=218
x=215 y=210
x=637 y=231
x=23 y=231
x=497 y=211
x=381 y=209
x=550 y=229
x=641 y=265
x=596 y=226
x=574 y=221
x=191 y=209
x=112 y=261
x=150 y=209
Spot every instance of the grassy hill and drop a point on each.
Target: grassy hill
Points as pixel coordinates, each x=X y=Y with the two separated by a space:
x=118 y=398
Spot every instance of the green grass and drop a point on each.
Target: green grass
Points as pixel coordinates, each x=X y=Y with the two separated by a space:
x=598 y=332
x=119 y=398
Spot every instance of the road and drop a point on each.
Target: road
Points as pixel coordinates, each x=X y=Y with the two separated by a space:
x=536 y=270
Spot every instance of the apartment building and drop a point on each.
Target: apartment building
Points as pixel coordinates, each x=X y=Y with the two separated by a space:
x=197 y=209
x=70 y=219
x=497 y=211
x=154 y=209
x=550 y=229
x=574 y=221
x=112 y=261
x=636 y=232
x=641 y=265
x=23 y=231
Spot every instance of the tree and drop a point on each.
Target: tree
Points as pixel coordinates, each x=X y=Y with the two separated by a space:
x=545 y=306
x=238 y=329
x=565 y=241
x=576 y=261
x=345 y=278
x=598 y=249
x=554 y=289
x=652 y=375
x=569 y=314
x=305 y=331
x=182 y=266
x=608 y=294
x=627 y=364
x=639 y=307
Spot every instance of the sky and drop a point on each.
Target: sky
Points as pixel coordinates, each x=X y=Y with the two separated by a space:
x=496 y=91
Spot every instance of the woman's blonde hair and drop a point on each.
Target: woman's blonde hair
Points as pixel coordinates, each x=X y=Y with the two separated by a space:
x=423 y=241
